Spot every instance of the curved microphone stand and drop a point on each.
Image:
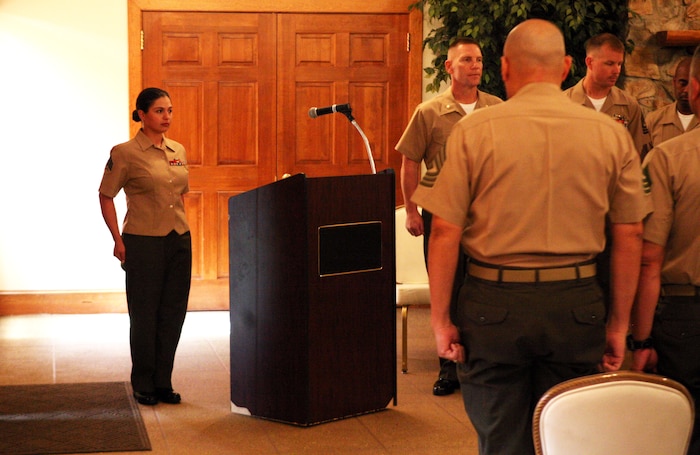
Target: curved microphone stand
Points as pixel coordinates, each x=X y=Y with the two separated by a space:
x=364 y=139
x=346 y=110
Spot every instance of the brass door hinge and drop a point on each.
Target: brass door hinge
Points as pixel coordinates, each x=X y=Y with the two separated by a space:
x=142 y=39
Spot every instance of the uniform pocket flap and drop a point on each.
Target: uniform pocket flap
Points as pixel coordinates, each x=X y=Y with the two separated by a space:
x=481 y=314
x=589 y=314
x=680 y=328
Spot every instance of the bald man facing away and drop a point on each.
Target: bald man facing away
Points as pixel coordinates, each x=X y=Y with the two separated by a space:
x=525 y=187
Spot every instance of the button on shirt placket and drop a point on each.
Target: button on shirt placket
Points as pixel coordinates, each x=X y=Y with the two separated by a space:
x=169 y=170
x=163 y=180
x=170 y=181
x=172 y=187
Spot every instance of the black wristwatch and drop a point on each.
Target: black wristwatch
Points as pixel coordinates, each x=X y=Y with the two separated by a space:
x=634 y=345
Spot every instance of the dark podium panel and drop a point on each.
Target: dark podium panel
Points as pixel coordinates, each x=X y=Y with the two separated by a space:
x=312 y=298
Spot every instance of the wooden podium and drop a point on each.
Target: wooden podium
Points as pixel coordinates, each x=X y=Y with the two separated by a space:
x=312 y=298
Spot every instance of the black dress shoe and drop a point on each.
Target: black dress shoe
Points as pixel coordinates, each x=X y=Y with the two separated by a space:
x=147 y=398
x=444 y=387
x=168 y=396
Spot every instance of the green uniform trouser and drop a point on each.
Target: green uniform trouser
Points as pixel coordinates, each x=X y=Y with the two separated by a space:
x=448 y=369
x=521 y=339
x=158 y=276
x=676 y=335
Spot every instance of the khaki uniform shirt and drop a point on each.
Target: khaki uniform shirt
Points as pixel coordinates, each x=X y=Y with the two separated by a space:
x=153 y=180
x=673 y=169
x=532 y=180
x=664 y=124
x=622 y=108
x=427 y=132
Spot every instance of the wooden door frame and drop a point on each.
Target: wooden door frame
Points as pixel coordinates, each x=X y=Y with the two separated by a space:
x=135 y=8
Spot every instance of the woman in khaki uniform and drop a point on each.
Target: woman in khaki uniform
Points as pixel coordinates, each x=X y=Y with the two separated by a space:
x=155 y=247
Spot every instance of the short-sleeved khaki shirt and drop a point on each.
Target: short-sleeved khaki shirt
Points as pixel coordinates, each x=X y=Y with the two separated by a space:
x=427 y=132
x=532 y=180
x=664 y=124
x=673 y=169
x=153 y=180
x=622 y=108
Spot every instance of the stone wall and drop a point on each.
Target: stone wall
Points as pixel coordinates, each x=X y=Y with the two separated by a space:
x=649 y=69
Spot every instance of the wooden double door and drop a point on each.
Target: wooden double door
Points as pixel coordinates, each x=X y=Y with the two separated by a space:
x=242 y=85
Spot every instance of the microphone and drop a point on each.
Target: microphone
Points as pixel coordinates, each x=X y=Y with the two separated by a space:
x=342 y=108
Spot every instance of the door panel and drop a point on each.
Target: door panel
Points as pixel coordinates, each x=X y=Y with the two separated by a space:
x=219 y=69
x=326 y=59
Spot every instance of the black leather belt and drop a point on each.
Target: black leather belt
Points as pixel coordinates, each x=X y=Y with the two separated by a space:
x=679 y=290
x=511 y=275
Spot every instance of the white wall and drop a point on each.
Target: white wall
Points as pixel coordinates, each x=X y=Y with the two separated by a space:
x=428 y=56
x=64 y=103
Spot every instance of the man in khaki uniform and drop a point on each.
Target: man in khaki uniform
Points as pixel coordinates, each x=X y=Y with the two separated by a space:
x=425 y=137
x=666 y=320
x=525 y=187
x=676 y=118
x=605 y=54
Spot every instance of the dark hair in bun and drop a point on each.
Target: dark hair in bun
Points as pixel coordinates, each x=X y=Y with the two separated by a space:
x=146 y=99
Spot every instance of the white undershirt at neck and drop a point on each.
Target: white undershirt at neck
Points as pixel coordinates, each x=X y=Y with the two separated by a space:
x=598 y=103
x=685 y=119
x=468 y=108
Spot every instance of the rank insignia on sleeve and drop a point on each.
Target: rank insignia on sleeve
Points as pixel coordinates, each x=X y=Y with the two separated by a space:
x=433 y=170
x=646 y=180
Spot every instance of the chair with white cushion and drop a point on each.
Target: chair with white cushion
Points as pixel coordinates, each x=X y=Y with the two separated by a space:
x=411 y=278
x=622 y=413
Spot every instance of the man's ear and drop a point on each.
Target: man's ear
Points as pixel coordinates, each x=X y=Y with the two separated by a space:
x=567 y=67
x=694 y=94
x=505 y=69
x=448 y=66
x=589 y=61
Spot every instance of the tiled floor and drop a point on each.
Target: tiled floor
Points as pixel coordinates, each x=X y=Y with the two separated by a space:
x=40 y=349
